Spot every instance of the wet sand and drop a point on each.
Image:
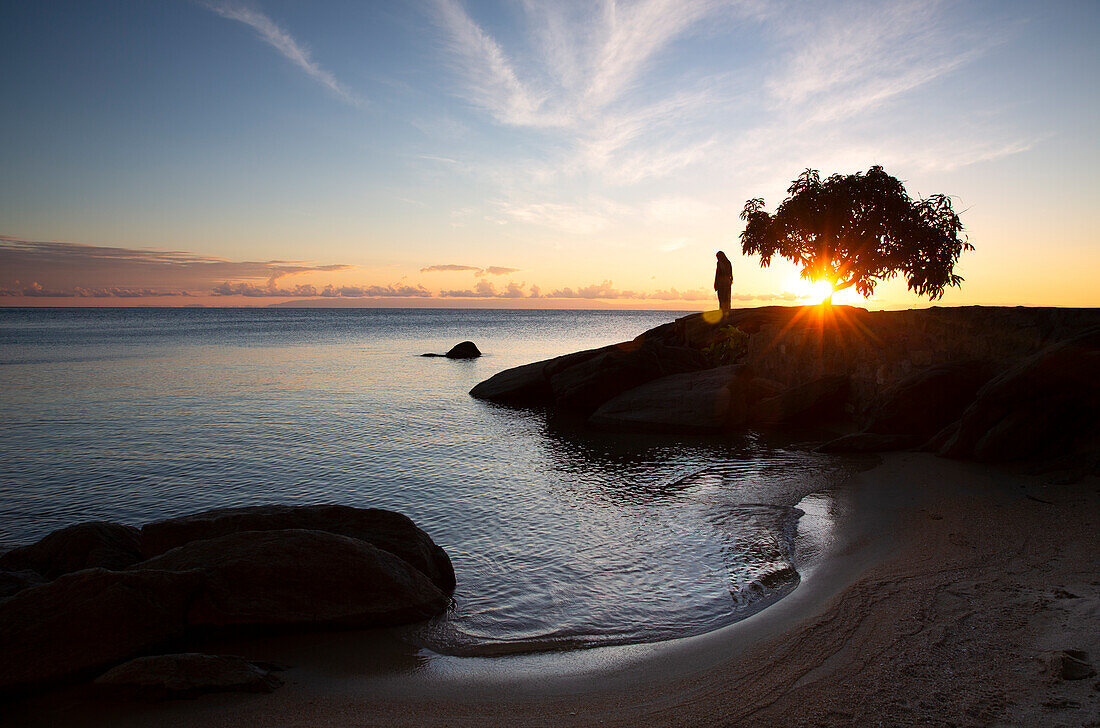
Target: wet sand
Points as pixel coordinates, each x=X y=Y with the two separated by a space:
x=941 y=600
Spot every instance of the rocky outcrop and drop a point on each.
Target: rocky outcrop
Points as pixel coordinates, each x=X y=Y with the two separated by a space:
x=876 y=350
x=902 y=374
x=1045 y=406
x=703 y=401
x=187 y=675
x=528 y=385
x=300 y=577
x=83 y=546
x=90 y=619
x=579 y=383
x=387 y=530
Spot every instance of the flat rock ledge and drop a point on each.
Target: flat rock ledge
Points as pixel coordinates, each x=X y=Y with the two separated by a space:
x=89 y=596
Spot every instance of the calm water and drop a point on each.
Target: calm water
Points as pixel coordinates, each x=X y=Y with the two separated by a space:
x=559 y=538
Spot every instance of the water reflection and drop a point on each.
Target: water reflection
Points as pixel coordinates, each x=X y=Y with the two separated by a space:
x=560 y=537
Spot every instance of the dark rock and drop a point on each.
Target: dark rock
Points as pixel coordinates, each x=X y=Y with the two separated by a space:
x=528 y=385
x=1073 y=665
x=703 y=401
x=89 y=619
x=1047 y=405
x=464 y=350
x=816 y=401
x=870 y=442
x=584 y=386
x=83 y=546
x=15 y=581
x=525 y=386
x=941 y=438
x=924 y=403
x=187 y=675
x=760 y=388
x=387 y=530
x=300 y=577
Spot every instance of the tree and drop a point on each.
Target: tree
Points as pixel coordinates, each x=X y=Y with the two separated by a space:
x=857 y=230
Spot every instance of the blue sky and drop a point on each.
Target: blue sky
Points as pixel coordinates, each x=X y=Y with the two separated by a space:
x=604 y=148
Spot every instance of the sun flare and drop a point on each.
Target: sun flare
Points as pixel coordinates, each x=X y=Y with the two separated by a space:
x=817 y=291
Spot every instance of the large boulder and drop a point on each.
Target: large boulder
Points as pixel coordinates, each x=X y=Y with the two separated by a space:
x=300 y=577
x=82 y=546
x=1046 y=406
x=924 y=403
x=703 y=401
x=187 y=675
x=819 y=400
x=387 y=530
x=90 y=619
x=584 y=386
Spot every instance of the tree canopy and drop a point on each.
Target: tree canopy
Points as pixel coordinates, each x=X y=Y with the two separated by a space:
x=857 y=230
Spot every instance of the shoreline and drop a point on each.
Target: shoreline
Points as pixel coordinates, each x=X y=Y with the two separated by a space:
x=942 y=600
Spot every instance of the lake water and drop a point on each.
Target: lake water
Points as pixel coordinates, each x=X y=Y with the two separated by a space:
x=560 y=538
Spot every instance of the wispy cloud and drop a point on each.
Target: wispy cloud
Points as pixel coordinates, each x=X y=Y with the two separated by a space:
x=492 y=270
x=581 y=60
x=448 y=267
x=575 y=72
x=616 y=100
x=281 y=40
x=496 y=270
x=845 y=59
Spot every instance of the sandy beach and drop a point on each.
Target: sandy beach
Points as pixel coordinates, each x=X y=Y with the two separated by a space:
x=944 y=598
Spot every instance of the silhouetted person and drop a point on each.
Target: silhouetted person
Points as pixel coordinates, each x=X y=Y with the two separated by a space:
x=723 y=281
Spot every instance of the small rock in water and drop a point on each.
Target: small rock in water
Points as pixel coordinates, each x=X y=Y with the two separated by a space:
x=464 y=350
x=187 y=675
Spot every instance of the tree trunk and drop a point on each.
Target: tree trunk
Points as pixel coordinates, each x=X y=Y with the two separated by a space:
x=836 y=287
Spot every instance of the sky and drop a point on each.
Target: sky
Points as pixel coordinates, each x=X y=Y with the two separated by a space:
x=527 y=154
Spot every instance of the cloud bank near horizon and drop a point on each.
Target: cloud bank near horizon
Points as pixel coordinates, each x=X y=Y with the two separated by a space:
x=72 y=266
x=74 y=270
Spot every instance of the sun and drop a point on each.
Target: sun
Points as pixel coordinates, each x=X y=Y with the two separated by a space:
x=811 y=292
